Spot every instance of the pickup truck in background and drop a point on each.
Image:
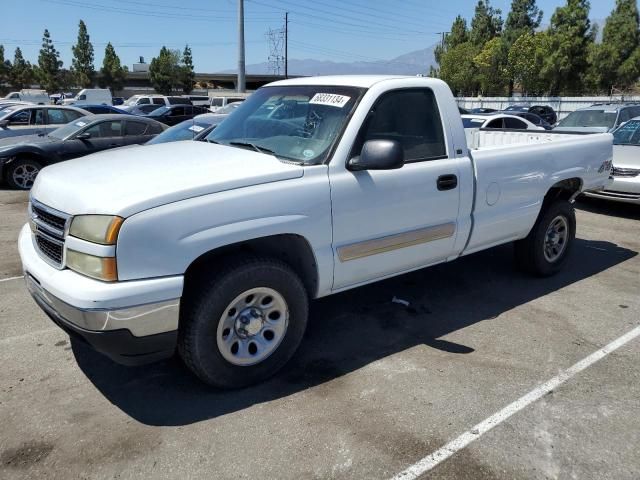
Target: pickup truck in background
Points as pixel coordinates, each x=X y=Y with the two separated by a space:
x=311 y=187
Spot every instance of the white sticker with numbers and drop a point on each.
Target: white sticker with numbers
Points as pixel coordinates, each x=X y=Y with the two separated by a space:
x=331 y=99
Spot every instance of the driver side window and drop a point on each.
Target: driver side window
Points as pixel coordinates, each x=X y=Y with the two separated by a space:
x=412 y=118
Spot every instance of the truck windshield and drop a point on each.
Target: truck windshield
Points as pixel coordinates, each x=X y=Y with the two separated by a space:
x=298 y=123
x=628 y=134
x=590 y=118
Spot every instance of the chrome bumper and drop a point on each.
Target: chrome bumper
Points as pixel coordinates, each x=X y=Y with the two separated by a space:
x=140 y=320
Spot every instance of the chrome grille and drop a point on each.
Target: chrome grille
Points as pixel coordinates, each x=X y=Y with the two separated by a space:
x=49 y=227
x=625 y=172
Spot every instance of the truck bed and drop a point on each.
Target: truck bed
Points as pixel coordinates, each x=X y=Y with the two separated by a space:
x=478 y=139
x=514 y=170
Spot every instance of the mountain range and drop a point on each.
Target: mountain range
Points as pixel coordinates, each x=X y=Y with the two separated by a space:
x=411 y=63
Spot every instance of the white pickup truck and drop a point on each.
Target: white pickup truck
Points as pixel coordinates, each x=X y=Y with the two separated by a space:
x=312 y=186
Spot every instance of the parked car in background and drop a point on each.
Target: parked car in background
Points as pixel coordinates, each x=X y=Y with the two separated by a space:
x=90 y=96
x=159 y=100
x=20 y=120
x=193 y=129
x=117 y=100
x=497 y=121
x=198 y=100
x=543 y=111
x=141 y=109
x=220 y=101
x=598 y=118
x=103 y=109
x=9 y=104
x=463 y=111
x=174 y=114
x=482 y=110
x=533 y=118
x=626 y=166
x=21 y=161
x=39 y=97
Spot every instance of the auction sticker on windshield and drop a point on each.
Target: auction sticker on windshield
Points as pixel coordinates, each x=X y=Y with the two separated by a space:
x=331 y=99
x=196 y=128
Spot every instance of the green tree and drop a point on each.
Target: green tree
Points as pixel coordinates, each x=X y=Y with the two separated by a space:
x=49 y=64
x=21 y=73
x=524 y=17
x=526 y=59
x=187 y=74
x=82 y=63
x=491 y=67
x=459 y=34
x=486 y=23
x=616 y=61
x=164 y=71
x=458 y=69
x=112 y=73
x=4 y=66
x=571 y=38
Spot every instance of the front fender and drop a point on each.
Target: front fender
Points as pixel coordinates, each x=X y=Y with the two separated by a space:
x=165 y=240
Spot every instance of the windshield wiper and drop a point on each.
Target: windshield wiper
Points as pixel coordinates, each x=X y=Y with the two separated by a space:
x=257 y=148
x=212 y=141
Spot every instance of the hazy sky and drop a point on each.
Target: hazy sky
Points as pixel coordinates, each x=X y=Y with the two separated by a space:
x=339 y=30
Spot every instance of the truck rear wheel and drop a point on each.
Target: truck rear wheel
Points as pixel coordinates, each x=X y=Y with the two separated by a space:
x=545 y=250
x=244 y=324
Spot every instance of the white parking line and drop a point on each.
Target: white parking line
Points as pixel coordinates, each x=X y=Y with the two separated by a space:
x=439 y=456
x=11 y=278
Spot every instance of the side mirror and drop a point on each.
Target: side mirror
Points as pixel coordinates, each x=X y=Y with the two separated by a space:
x=378 y=155
x=4 y=123
x=83 y=136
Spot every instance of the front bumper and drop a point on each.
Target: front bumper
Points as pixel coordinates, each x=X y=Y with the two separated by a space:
x=622 y=189
x=132 y=322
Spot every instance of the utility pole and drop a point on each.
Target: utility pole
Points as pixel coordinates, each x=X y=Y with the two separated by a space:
x=241 y=64
x=286 y=45
x=443 y=34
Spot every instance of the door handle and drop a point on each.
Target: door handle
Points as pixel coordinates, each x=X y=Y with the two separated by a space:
x=447 y=182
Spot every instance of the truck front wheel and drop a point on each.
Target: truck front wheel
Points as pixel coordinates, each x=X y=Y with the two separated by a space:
x=244 y=324
x=547 y=247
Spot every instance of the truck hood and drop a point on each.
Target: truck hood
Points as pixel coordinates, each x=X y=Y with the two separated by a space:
x=626 y=156
x=128 y=180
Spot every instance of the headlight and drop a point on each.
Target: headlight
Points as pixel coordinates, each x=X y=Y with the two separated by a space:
x=101 y=268
x=101 y=229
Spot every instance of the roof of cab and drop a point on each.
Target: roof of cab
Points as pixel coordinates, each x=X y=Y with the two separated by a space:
x=363 y=81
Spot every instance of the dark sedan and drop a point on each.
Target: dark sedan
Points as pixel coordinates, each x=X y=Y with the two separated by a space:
x=21 y=160
x=174 y=114
x=103 y=109
x=144 y=109
x=532 y=117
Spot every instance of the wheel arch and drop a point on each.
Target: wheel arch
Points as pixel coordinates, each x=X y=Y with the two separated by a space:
x=566 y=189
x=293 y=249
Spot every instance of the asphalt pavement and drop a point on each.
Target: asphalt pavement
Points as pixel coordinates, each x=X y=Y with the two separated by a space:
x=375 y=388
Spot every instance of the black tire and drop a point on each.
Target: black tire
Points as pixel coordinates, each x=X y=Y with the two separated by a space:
x=530 y=251
x=197 y=341
x=29 y=166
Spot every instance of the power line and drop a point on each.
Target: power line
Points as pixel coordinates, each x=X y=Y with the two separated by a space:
x=172 y=16
x=334 y=20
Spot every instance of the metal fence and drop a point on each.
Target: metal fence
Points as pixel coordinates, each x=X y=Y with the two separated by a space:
x=562 y=105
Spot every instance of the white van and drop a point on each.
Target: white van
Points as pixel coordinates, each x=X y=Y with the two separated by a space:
x=218 y=101
x=90 y=96
x=41 y=97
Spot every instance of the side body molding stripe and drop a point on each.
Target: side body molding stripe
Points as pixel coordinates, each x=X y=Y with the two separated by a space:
x=395 y=242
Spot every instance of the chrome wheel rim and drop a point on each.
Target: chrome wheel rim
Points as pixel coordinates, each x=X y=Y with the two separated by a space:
x=555 y=241
x=252 y=326
x=24 y=175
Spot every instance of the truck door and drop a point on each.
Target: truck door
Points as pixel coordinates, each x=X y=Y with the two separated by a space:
x=390 y=221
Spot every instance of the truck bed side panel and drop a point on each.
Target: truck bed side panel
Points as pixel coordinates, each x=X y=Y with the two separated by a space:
x=511 y=182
